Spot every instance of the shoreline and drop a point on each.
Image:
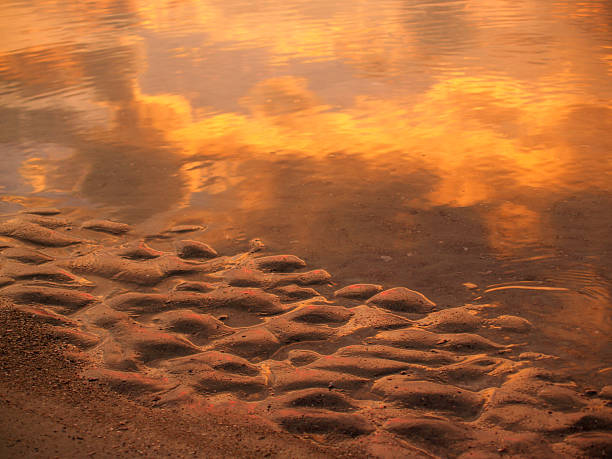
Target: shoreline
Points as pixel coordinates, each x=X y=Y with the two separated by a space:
x=172 y=349
x=50 y=411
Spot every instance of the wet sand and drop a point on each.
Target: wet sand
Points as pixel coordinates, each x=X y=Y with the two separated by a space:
x=177 y=330
x=48 y=410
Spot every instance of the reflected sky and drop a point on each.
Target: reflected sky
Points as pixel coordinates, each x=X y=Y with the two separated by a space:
x=404 y=142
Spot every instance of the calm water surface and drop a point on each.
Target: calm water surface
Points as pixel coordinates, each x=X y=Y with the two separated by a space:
x=425 y=144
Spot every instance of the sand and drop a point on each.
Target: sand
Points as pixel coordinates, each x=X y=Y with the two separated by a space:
x=119 y=343
x=48 y=410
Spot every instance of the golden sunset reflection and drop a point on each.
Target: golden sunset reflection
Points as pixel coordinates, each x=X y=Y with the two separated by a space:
x=516 y=122
x=302 y=118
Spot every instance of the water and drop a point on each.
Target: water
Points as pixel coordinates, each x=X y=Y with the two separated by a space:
x=426 y=144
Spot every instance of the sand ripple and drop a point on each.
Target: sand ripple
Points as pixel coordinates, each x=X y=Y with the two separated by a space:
x=261 y=332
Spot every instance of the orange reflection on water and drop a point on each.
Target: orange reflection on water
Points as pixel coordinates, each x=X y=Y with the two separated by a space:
x=485 y=136
x=312 y=31
x=41 y=67
x=404 y=140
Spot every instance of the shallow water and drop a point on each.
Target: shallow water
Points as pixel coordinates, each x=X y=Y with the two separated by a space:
x=425 y=144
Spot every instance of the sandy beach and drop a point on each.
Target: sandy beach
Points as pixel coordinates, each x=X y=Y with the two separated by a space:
x=49 y=410
x=374 y=228
x=118 y=343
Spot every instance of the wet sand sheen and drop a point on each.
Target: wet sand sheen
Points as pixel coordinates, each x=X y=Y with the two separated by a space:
x=167 y=321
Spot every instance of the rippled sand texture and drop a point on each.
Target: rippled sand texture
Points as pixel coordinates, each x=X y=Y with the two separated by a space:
x=386 y=369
